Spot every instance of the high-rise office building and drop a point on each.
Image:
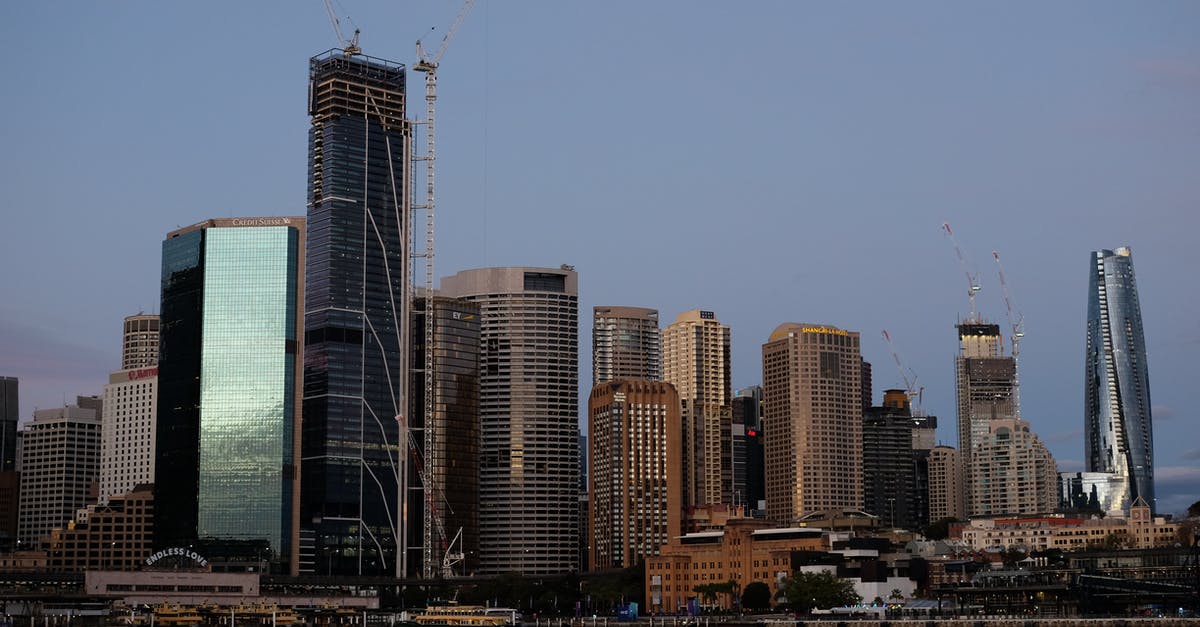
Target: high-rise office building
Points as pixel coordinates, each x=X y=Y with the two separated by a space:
x=868 y=391
x=749 y=482
x=812 y=418
x=229 y=384
x=634 y=483
x=10 y=414
x=139 y=342
x=626 y=344
x=896 y=462
x=1012 y=472
x=60 y=458
x=451 y=459
x=356 y=313
x=129 y=422
x=985 y=389
x=696 y=362
x=1118 y=430
x=528 y=404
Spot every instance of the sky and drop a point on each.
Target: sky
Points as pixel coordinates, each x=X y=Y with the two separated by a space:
x=770 y=161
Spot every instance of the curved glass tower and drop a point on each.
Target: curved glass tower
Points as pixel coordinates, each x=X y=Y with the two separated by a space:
x=1118 y=434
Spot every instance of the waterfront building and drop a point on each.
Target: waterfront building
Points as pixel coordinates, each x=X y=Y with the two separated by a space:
x=812 y=418
x=115 y=535
x=60 y=459
x=1118 y=429
x=355 y=319
x=626 y=344
x=634 y=483
x=696 y=361
x=529 y=413
x=1136 y=529
x=449 y=441
x=744 y=551
x=229 y=384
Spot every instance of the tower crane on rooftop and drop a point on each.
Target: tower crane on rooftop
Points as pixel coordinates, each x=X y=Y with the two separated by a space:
x=427 y=64
x=349 y=46
x=973 y=286
x=911 y=388
x=1016 y=323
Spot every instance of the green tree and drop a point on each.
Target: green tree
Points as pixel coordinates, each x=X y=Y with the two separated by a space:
x=756 y=596
x=823 y=590
x=938 y=530
x=1193 y=510
x=1118 y=540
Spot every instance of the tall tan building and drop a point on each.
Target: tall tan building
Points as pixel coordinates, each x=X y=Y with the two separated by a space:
x=985 y=390
x=1012 y=472
x=812 y=420
x=696 y=362
x=626 y=344
x=529 y=416
x=633 y=486
x=947 y=495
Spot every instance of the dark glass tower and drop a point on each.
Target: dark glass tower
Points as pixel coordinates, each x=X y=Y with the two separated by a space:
x=225 y=450
x=1118 y=433
x=356 y=313
x=9 y=414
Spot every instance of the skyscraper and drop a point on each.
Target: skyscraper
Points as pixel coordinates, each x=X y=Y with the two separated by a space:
x=1118 y=430
x=985 y=389
x=139 y=342
x=696 y=362
x=947 y=496
x=356 y=313
x=812 y=418
x=451 y=464
x=749 y=487
x=634 y=483
x=60 y=455
x=626 y=344
x=229 y=374
x=10 y=413
x=528 y=403
x=896 y=462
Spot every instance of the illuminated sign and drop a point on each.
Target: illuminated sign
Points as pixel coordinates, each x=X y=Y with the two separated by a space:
x=260 y=221
x=707 y=315
x=177 y=551
x=829 y=330
x=144 y=373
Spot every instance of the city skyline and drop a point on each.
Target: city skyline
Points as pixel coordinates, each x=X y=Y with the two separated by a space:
x=868 y=129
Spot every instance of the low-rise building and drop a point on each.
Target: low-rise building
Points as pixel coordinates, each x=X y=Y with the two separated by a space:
x=1139 y=530
x=115 y=536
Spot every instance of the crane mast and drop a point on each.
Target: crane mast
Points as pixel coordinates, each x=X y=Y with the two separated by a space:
x=433 y=518
x=973 y=286
x=914 y=392
x=1016 y=323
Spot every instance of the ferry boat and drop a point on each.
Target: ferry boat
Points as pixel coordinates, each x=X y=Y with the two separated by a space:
x=167 y=615
x=460 y=615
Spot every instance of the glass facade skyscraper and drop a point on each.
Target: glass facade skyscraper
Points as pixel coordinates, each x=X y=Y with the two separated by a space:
x=1118 y=433
x=356 y=314
x=225 y=466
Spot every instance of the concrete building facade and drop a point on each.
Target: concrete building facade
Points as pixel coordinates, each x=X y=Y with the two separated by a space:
x=626 y=344
x=947 y=495
x=129 y=420
x=634 y=488
x=812 y=419
x=1012 y=472
x=116 y=535
x=696 y=361
x=528 y=405
x=139 y=342
x=896 y=462
x=60 y=466
x=985 y=390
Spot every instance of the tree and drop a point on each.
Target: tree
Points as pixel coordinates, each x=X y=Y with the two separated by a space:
x=806 y=591
x=756 y=596
x=1012 y=556
x=1119 y=540
x=938 y=530
x=1193 y=510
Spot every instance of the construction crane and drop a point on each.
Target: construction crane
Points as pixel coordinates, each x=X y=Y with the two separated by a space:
x=973 y=286
x=1016 y=323
x=349 y=46
x=914 y=392
x=428 y=65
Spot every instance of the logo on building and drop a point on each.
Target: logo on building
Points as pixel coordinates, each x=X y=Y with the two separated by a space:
x=179 y=553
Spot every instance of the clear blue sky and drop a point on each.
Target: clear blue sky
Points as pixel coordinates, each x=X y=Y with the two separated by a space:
x=771 y=161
